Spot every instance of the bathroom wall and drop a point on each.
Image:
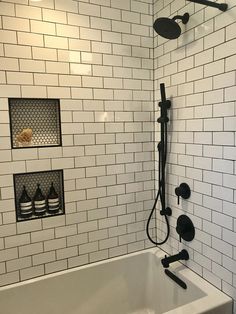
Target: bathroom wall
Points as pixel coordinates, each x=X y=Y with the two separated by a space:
x=96 y=56
x=199 y=72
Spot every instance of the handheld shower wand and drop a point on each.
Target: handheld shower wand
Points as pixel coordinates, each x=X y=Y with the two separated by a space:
x=162 y=151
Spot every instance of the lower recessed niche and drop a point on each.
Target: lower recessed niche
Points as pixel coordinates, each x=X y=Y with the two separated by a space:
x=34 y=122
x=39 y=194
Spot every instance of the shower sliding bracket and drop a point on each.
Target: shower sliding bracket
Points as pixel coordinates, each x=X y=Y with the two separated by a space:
x=164 y=105
x=166 y=212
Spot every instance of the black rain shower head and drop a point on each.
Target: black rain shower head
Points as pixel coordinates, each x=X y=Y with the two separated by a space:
x=221 y=6
x=169 y=28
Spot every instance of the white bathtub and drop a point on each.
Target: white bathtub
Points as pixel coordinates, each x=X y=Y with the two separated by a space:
x=134 y=284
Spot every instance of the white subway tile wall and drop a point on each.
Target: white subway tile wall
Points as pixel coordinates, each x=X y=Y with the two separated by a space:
x=199 y=70
x=97 y=58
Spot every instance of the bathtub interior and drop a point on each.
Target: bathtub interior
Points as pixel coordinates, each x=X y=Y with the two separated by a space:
x=130 y=285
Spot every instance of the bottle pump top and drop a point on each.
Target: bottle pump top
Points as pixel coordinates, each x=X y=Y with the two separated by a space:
x=24 y=196
x=52 y=192
x=38 y=194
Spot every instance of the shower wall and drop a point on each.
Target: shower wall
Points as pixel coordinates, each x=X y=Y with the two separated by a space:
x=96 y=57
x=199 y=72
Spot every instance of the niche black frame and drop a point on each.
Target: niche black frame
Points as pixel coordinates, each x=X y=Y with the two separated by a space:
x=62 y=195
x=57 y=101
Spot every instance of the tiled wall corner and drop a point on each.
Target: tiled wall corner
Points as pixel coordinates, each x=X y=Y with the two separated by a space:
x=97 y=58
x=199 y=72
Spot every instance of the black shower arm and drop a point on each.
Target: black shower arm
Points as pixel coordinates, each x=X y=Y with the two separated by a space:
x=177 y=17
x=220 y=6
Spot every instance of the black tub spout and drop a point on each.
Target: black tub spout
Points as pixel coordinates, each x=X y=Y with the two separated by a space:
x=166 y=261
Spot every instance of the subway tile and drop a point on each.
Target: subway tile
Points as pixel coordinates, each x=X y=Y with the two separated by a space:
x=8 y=254
x=69 y=6
x=214 y=39
x=44 y=53
x=89 y=9
x=54 y=16
x=111 y=13
x=78 y=20
x=222 y=138
x=10 y=278
x=56 y=42
x=55 y=266
x=223 y=193
x=229 y=237
x=17 y=240
x=67 y=31
x=224 y=80
x=43 y=27
x=30 y=249
x=30 y=39
x=32 y=272
x=225 y=109
x=224 y=50
x=18 y=264
x=17 y=78
x=18 y=24
x=214 y=68
x=67 y=252
x=46 y=79
x=230 y=94
x=9 y=64
x=32 y=65
x=79 y=44
x=43 y=258
x=28 y=12
x=8 y=37
x=7 y=9
x=38 y=165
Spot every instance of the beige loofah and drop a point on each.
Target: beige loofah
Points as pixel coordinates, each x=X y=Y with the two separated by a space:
x=25 y=136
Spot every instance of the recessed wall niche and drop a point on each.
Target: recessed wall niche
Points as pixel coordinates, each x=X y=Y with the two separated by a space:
x=51 y=186
x=35 y=122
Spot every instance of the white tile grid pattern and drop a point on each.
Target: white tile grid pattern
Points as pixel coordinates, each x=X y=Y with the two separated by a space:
x=199 y=72
x=97 y=57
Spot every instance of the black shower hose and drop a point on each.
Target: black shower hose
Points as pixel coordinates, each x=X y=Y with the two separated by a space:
x=159 y=193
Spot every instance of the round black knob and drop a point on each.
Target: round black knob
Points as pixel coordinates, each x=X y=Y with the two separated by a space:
x=183 y=191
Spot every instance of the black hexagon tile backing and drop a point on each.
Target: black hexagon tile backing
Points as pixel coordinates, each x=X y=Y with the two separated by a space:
x=44 y=178
x=40 y=115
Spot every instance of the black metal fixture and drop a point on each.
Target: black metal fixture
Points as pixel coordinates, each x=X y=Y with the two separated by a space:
x=176 y=279
x=169 y=28
x=162 y=151
x=185 y=228
x=183 y=191
x=167 y=260
x=221 y=6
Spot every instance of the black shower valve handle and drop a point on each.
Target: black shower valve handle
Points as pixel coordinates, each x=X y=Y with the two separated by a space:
x=185 y=228
x=180 y=229
x=183 y=191
x=178 y=199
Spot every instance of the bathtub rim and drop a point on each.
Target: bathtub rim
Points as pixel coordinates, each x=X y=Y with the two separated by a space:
x=213 y=298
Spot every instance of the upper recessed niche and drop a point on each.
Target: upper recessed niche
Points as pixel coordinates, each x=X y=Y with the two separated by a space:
x=35 y=122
